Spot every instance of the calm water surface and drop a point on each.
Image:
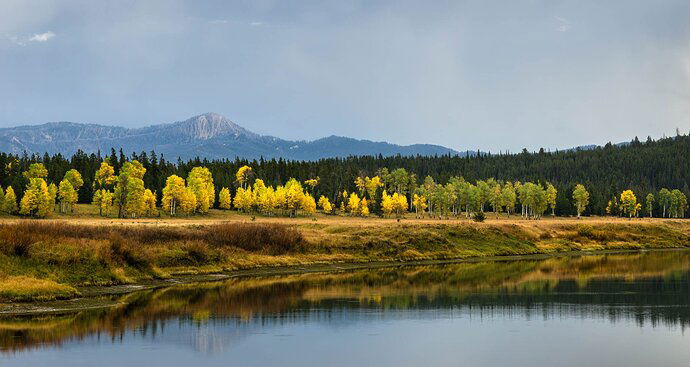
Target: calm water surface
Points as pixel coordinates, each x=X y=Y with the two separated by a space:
x=605 y=310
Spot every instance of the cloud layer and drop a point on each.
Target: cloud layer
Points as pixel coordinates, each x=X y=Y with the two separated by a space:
x=492 y=75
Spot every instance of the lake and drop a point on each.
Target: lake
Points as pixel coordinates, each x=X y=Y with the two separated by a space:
x=597 y=310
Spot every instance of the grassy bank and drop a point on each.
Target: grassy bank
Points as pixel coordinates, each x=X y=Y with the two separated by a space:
x=42 y=260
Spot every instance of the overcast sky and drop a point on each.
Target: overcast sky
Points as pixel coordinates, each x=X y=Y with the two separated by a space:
x=490 y=75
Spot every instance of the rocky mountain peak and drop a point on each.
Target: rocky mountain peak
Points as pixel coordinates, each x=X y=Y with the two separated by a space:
x=209 y=125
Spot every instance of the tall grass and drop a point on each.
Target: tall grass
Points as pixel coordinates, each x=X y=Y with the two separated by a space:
x=16 y=239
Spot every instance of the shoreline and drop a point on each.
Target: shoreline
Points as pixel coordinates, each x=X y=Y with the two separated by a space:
x=92 y=296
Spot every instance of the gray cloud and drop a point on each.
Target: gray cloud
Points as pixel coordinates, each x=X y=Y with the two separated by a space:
x=492 y=75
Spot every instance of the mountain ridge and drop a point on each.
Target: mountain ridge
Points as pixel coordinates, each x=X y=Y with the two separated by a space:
x=209 y=135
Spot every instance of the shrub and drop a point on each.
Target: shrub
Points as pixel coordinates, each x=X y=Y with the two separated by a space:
x=478 y=217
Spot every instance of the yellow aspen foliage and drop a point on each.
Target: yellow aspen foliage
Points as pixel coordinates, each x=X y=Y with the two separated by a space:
x=244 y=199
x=372 y=185
x=242 y=176
x=353 y=204
x=150 y=203
x=399 y=203
x=420 y=204
x=325 y=205
x=174 y=193
x=135 y=204
x=105 y=175
x=224 y=199
x=36 y=170
x=129 y=189
x=364 y=208
x=387 y=204
x=200 y=181
x=312 y=183
x=9 y=204
x=52 y=193
x=629 y=203
x=308 y=204
x=293 y=196
x=266 y=201
x=67 y=196
x=74 y=178
x=361 y=184
x=103 y=199
x=188 y=203
x=36 y=200
x=279 y=198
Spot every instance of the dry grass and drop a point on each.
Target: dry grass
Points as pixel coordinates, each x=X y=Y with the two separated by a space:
x=84 y=250
x=21 y=288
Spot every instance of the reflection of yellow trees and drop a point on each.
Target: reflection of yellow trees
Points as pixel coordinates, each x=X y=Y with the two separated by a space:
x=385 y=288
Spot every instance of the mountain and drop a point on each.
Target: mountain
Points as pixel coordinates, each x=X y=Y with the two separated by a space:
x=208 y=136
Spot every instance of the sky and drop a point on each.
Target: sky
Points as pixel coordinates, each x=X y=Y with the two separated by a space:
x=485 y=74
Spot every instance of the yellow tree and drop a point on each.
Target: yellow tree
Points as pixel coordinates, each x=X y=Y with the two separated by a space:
x=267 y=200
x=52 y=193
x=244 y=199
x=361 y=184
x=200 y=181
x=311 y=183
x=103 y=199
x=399 y=203
x=551 y=195
x=67 y=196
x=353 y=204
x=74 y=178
x=188 y=202
x=419 y=203
x=129 y=189
x=9 y=204
x=364 y=207
x=308 y=205
x=293 y=195
x=280 y=198
x=387 y=204
x=372 y=185
x=581 y=197
x=174 y=193
x=224 y=199
x=36 y=200
x=36 y=170
x=105 y=176
x=629 y=203
x=242 y=176
x=150 y=203
x=136 y=202
x=325 y=205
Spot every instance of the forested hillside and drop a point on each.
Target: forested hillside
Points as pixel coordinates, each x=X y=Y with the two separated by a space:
x=605 y=171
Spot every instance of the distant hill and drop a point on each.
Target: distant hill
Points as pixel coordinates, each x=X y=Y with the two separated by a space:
x=208 y=135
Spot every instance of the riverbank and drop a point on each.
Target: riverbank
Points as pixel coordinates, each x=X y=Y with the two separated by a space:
x=59 y=259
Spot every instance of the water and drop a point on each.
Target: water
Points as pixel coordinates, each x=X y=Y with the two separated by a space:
x=605 y=310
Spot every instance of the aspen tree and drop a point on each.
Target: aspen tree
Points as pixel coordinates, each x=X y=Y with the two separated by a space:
x=224 y=199
x=581 y=197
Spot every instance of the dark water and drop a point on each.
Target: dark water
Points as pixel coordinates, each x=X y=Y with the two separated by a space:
x=608 y=310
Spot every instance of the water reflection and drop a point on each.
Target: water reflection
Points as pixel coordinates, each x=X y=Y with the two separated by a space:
x=647 y=289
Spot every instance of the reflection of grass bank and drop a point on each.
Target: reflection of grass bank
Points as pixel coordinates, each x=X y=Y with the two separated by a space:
x=611 y=280
x=56 y=256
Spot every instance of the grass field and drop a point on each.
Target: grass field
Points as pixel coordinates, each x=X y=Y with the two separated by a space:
x=52 y=258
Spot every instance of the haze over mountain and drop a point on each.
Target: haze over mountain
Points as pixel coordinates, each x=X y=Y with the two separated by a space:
x=209 y=135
